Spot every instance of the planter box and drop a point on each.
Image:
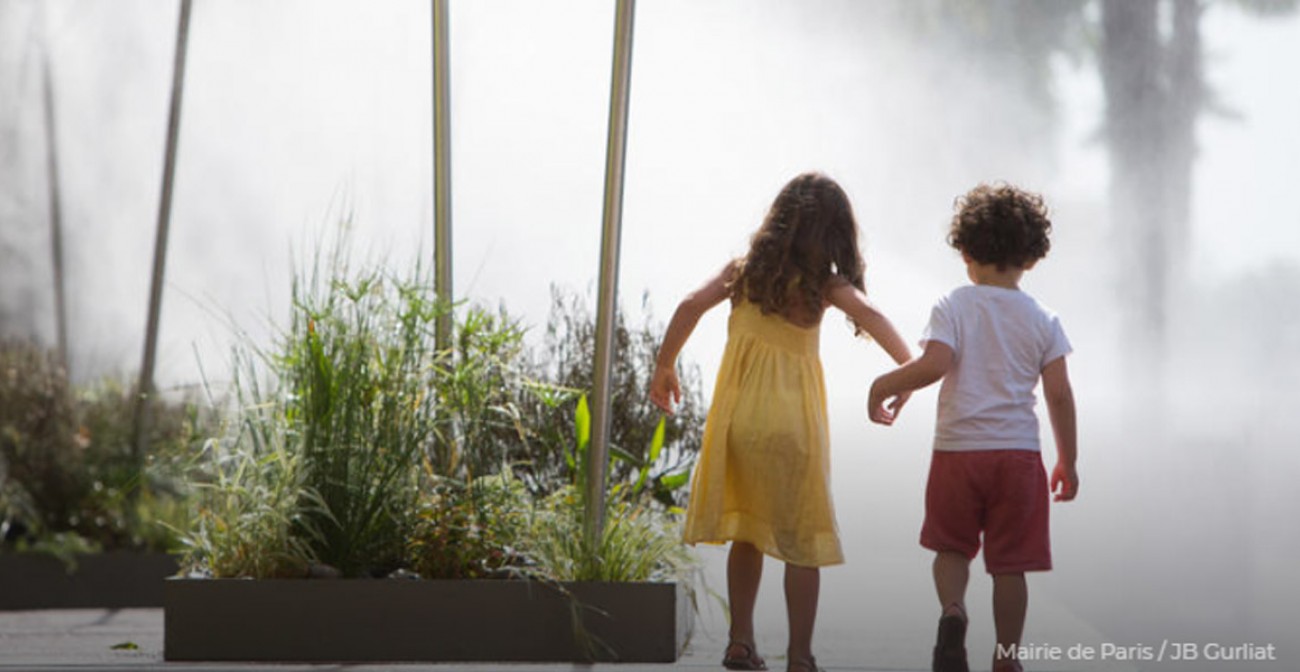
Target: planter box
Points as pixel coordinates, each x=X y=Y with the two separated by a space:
x=99 y=581
x=354 y=620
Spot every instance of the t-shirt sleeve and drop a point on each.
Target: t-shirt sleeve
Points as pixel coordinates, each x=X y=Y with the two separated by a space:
x=941 y=327
x=1057 y=345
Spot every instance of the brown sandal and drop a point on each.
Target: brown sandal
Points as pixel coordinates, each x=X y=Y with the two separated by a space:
x=950 y=643
x=808 y=664
x=748 y=660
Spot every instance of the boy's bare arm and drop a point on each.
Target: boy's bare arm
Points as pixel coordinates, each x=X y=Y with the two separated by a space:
x=665 y=390
x=914 y=375
x=1060 y=410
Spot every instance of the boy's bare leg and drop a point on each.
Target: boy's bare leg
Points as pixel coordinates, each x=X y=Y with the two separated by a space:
x=1010 y=604
x=802 y=588
x=744 y=571
x=951 y=574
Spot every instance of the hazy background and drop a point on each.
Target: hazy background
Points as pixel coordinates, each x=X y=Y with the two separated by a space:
x=298 y=114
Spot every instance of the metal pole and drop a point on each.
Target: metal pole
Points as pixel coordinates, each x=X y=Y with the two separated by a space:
x=56 y=213
x=441 y=173
x=615 y=153
x=145 y=388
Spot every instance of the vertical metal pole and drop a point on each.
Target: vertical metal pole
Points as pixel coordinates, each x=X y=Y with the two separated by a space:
x=145 y=388
x=442 y=172
x=56 y=213
x=615 y=153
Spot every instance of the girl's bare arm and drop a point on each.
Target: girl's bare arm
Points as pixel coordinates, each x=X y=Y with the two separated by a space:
x=854 y=303
x=665 y=390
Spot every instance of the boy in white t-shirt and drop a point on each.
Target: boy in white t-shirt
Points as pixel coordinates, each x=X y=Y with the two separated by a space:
x=990 y=343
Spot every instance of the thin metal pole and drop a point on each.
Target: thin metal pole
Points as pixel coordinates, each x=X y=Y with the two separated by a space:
x=615 y=153
x=145 y=388
x=56 y=213
x=441 y=173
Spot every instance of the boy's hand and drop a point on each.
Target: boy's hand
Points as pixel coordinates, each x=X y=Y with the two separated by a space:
x=882 y=407
x=1065 y=482
x=664 y=388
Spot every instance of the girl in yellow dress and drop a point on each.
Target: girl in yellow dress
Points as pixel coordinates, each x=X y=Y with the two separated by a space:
x=762 y=480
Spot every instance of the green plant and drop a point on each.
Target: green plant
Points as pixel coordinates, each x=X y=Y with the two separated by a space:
x=357 y=363
x=472 y=530
x=479 y=384
x=370 y=423
x=358 y=444
x=251 y=493
x=564 y=363
x=639 y=542
x=66 y=464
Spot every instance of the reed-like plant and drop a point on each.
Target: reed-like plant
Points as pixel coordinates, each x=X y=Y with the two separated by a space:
x=479 y=384
x=358 y=365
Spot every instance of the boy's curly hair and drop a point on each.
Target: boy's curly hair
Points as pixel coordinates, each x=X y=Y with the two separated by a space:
x=1002 y=225
x=808 y=236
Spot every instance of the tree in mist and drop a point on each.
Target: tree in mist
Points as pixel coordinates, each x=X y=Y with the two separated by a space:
x=1150 y=55
x=1010 y=43
x=1151 y=58
x=20 y=225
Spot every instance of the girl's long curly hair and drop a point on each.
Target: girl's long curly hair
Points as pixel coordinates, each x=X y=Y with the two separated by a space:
x=808 y=236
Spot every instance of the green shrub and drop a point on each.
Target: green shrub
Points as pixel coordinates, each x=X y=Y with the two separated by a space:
x=68 y=474
x=356 y=443
x=640 y=541
x=565 y=363
x=472 y=531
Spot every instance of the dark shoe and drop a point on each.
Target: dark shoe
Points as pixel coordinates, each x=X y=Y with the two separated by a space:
x=747 y=660
x=1007 y=665
x=950 y=644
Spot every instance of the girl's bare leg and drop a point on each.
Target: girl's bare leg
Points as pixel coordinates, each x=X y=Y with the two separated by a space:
x=802 y=588
x=744 y=571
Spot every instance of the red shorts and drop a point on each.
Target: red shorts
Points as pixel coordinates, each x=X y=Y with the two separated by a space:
x=1002 y=493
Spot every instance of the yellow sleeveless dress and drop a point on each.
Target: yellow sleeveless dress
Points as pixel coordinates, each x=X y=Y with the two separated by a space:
x=763 y=473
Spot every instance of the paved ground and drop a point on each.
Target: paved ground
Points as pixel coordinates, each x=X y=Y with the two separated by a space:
x=878 y=625
x=80 y=640
x=877 y=615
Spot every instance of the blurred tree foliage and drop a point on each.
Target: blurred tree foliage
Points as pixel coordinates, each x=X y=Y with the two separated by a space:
x=1151 y=58
x=66 y=466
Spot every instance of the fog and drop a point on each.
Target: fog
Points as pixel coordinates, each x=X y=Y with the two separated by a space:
x=299 y=114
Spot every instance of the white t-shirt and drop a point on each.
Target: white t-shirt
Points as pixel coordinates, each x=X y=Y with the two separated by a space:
x=1002 y=339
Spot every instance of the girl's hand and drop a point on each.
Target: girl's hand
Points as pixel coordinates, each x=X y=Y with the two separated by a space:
x=664 y=388
x=1065 y=482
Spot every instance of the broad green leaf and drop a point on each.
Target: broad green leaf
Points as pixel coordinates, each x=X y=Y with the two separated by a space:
x=582 y=422
x=656 y=445
x=675 y=481
x=657 y=442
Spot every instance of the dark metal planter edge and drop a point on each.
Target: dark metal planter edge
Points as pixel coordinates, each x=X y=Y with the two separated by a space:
x=393 y=620
x=113 y=580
